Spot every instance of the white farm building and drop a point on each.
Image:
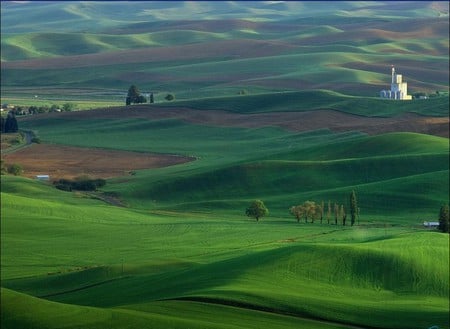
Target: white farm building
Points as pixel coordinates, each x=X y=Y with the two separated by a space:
x=399 y=89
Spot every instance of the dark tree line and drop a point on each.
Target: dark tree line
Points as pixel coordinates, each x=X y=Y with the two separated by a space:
x=80 y=184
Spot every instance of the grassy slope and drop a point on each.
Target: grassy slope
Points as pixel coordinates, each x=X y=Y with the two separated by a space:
x=304 y=69
x=157 y=315
x=134 y=266
x=236 y=164
x=316 y=100
x=211 y=252
x=221 y=259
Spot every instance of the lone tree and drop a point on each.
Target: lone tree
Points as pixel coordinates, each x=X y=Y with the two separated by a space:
x=353 y=207
x=3 y=169
x=11 y=125
x=343 y=214
x=15 y=169
x=169 y=97
x=329 y=212
x=444 y=219
x=336 y=213
x=2 y=124
x=257 y=209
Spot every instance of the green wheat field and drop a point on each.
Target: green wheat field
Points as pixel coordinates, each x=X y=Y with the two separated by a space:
x=179 y=251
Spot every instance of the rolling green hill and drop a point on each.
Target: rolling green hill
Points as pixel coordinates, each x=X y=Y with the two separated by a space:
x=236 y=164
x=216 y=264
x=317 y=100
x=210 y=49
x=184 y=244
x=179 y=252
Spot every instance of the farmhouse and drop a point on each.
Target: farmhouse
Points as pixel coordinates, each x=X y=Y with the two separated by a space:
x=399 y=89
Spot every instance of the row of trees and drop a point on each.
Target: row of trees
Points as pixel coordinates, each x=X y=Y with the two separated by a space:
x=311 y=211
x=134 y=97
x=33 y=109
x=79 y=184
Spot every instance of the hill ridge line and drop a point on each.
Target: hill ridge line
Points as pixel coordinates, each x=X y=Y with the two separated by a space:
x=254 y=307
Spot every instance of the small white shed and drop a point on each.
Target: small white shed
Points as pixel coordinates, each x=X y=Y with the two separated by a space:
x=431 y=224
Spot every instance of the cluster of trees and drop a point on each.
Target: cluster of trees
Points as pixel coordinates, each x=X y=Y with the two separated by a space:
x=311 y=211
x=79 y=184
x=430 y=95
x=9 y=125
x=134 y=96
x=33 y=109
x=13 y=169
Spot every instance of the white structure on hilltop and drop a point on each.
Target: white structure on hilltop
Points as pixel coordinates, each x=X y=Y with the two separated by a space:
x=399 y=89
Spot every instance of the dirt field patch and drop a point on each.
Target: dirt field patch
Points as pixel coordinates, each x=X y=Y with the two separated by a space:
x=70 y=162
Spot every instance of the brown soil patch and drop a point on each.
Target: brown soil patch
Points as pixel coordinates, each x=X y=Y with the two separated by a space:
x=70 y=162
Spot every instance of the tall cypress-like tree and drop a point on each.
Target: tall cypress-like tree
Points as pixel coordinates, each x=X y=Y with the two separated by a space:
x=353 y=207
x=2 y=124
x=11 y=125
x=343 y=214
x=133 y=94
x=444 y=219
x=336 y=213
x=329 y=212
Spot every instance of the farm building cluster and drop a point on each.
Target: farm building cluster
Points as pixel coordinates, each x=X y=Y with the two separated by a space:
x=399 y=89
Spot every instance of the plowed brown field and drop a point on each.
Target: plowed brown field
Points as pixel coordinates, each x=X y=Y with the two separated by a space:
x=70 y=162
